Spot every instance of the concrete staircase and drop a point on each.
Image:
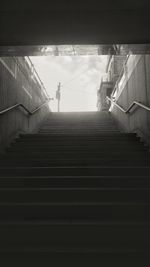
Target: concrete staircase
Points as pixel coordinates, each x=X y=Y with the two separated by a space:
x=77 y=193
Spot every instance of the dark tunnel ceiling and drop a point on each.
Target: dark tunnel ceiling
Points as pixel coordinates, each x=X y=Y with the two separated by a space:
x=62 y=22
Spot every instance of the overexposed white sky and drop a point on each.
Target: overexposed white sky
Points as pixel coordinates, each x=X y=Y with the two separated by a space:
x=80 y=78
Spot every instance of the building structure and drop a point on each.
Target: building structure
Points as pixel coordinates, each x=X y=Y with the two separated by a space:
x=114 y=68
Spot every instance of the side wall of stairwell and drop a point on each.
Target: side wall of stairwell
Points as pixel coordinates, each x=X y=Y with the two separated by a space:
x=18 y=84
x=134 y=85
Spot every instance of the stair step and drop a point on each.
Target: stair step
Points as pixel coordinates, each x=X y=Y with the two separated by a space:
x=78 y=130
x=58 y=258
x=26 y=149
x=75 y=182
x=81 y=195
x=76 y=249
x=133 y=155
x=101 y=135
x=119 y=171
x=77 y=133
x=91 y=137
x=90 y=161
x=80 y=211
x=81 y=143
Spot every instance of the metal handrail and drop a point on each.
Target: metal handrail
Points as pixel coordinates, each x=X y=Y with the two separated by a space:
x=134 y=103
x=2 y=112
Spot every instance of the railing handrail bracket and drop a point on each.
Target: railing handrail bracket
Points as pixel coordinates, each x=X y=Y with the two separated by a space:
x=4 y=111
x=134 y=103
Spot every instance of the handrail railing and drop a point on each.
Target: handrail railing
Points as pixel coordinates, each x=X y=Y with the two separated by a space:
x=4 y=111
x=134 y=103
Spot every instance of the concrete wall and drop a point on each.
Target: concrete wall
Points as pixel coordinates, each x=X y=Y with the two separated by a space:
x=134 y=86
x=18 y=84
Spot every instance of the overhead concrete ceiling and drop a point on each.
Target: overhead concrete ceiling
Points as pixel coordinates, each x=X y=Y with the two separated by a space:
x=65 y=22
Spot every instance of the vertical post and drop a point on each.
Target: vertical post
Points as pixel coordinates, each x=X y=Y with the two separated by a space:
x=58 y=95
x=58 y=105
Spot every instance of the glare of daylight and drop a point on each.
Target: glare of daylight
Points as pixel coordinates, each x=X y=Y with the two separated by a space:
x=79 y=76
